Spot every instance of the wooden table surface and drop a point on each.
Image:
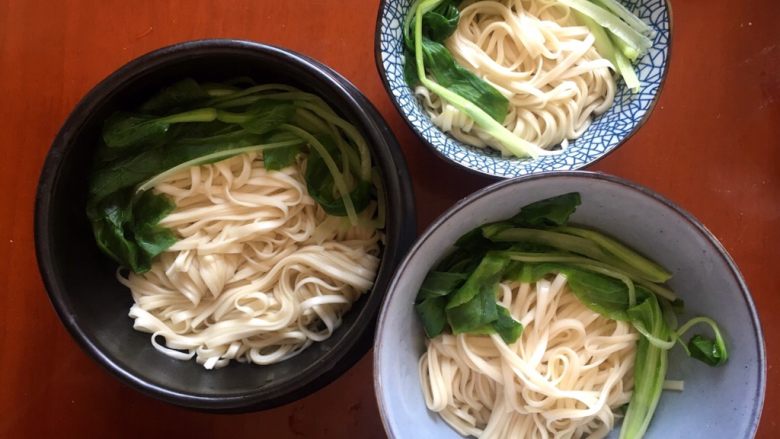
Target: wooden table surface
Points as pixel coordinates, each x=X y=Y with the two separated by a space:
x=711 y=146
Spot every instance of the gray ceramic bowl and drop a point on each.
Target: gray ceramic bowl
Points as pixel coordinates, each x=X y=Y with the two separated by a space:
x=720 y=402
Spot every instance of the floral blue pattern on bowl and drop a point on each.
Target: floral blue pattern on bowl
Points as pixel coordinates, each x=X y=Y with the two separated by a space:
x=608 y=131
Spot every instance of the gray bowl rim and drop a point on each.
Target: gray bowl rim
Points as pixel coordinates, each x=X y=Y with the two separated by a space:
x=684 y=216
x=386 y=84
x=342 y=359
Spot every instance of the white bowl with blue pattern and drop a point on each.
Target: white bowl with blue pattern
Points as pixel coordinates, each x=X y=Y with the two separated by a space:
x=608 y=131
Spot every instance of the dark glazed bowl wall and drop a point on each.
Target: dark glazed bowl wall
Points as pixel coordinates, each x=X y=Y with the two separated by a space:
x=81 y=281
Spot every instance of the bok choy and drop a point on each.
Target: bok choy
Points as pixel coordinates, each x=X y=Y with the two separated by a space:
x=460 y=294
x=191 y=123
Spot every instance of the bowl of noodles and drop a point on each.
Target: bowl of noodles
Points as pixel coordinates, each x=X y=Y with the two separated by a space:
x=217 y=222
x=514 y=87
x=570 y=304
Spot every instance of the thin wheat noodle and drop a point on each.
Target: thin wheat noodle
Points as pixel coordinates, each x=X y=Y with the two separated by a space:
x=260 y=271
x=563 y=378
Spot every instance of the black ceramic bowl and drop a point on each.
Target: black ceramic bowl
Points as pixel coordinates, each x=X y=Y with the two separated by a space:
x=81 y=281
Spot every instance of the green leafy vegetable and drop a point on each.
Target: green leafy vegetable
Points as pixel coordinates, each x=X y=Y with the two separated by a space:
x=649 y=371
x=563 y=241
x=477 y=313
x=648 y=269
x=135 y=169
x=707 y=350
x=441 y=22
x=189 y=124
x=505 y=326
x=486 y=276
x=467 y=303
x=280 y=158
x=266 y=116
x=554 y=211
x=607 y=296
x=126 y=229
x=322 y=185
x=185 y=93
x=626 y=70
x=440 y=284
x=702 y=348
x=607 y=276
x=432 y=315
x=124 y=130
x=448 y=73
x=611 y=22
x=624 y=14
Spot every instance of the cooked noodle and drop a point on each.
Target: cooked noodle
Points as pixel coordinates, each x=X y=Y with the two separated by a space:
x=563 y=378
x=535 y=54
x=260 y=271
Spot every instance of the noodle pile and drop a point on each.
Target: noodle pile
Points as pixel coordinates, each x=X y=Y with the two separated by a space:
x=563 y=377
x=535 y=54
x=260 y=271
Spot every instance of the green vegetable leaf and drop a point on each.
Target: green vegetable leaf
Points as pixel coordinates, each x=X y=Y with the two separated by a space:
x=610 y=21
x=148 y=209
x=150 y=162
x=645 y=267
x=448 y=73
x=122 y=130
x=707 y=350
x=151 y=208
x=280 y=158
x=485 y=277
x=508 y=328
x=440 y=284
x=125 y=130
x=473 y=240
x=554 y=211
x=649 y=369
x=125 y=227
x=186 y=92
x=621 y=11
x=108 y=225
x=441 y=22
x=562 y=241
x=153 y=240
x=702 y=348
x=321 y=185
x=515 y=271
x=432 y=315
x=480 y=311
x=268 y=115
x=602 y=294
x=410 y=69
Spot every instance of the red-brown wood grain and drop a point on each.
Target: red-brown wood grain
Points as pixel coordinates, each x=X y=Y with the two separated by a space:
x=712 y=145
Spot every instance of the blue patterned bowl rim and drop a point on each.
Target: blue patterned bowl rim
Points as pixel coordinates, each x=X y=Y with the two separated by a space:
x=489 y=163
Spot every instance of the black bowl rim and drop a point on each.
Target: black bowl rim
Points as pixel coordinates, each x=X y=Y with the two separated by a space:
x=452 y=212
x=386 y=84
x=344 y=355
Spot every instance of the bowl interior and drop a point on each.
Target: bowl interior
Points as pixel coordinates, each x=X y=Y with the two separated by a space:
x=81 y=281
x=608 y=131
x=722 y=402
